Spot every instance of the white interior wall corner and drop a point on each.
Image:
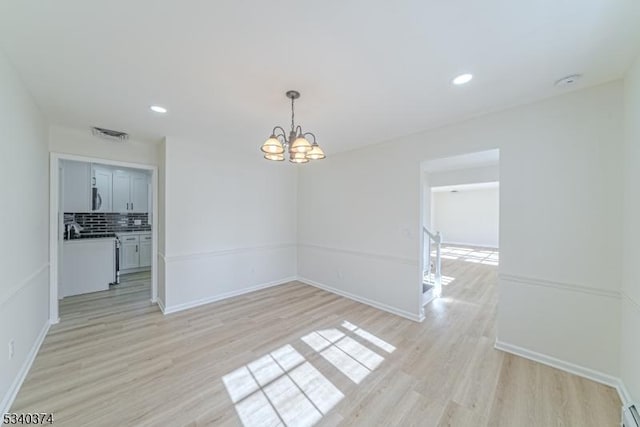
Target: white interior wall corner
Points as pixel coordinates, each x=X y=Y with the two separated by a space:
x=559 y=181
x=630 y=316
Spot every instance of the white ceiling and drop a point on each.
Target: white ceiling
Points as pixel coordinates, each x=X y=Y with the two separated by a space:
x=368 y=70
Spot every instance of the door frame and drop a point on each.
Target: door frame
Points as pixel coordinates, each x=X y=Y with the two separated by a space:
x=54 y=231
x=426 y=168
x=422 y=185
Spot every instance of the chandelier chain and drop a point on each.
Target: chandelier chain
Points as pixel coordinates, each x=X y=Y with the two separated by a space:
x=292 y=114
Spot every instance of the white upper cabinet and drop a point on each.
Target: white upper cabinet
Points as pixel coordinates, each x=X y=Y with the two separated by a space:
x=121 y=190
x=130 y=191
x=102 y=189
x=76 y=191
x=99 y=188
x=139 y=192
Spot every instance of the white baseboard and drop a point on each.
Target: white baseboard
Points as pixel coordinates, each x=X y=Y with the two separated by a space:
x=378 y=305
x=8 y=399
x=572 y=368
x=475 y=245
x=208 y=300
x=161 y=305
x=624 y=394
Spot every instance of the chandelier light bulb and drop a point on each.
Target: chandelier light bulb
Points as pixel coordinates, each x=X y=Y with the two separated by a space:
x=301 y=145
x=272 y=146
x=303 y=160
x=316 y=153
x=298 y=158
x=275 y=157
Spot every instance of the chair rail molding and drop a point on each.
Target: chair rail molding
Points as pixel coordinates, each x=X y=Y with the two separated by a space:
x=223 y=252
x=524 y=280
x=23 y=284
x=362 y=254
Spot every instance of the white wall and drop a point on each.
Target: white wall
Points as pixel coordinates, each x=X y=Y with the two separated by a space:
x=230 y=221
x=24 y=192
x=468 y=216
x=464 y=176
x=630 y=344
x=82 y=142
x=457 y=170
x=359 y=221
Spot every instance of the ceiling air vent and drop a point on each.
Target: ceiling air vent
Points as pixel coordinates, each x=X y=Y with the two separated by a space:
x=113 y=135
x=568 y=80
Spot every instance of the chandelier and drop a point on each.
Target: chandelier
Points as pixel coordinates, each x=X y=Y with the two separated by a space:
x=296 y=144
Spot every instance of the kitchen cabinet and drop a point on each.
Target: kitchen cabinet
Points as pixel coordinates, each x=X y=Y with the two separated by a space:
x=89 y=187
x=76 y=186
x=135 y=251
x=139 y=193
x=121 y=191
x=88 y=265
x=130 y=191
x=102 y=181
x=145 y=251
x=129 y=252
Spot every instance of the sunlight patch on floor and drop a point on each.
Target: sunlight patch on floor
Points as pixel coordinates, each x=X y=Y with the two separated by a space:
x=348 y=356
x=282 y=388
x=476 y=256
x=445 y=280
x=369 y=337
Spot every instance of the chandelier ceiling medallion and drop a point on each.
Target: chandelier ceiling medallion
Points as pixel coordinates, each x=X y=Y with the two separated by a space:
x=296 y=144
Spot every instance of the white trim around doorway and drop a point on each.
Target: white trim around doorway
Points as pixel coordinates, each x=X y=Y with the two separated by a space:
x=54 y=192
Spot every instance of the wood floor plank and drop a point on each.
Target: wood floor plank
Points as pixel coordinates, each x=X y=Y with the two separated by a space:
x=114 y=359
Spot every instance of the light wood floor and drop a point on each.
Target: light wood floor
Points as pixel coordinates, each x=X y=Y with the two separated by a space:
x=115 y=360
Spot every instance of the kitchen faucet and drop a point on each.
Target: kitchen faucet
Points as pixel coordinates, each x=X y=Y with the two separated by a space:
x=76 y=228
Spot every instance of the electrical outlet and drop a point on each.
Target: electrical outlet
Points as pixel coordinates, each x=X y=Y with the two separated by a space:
x=137 y=222
x=11 y=349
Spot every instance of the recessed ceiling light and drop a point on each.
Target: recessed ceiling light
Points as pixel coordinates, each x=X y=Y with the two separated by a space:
x=158 y=109
x=462 y=79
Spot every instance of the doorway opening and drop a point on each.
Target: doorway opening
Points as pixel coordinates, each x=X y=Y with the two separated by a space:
x=103 y=233
x=459 y=219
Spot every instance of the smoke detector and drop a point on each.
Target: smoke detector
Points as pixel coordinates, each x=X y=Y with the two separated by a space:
x=568 y=80
x=112 y=135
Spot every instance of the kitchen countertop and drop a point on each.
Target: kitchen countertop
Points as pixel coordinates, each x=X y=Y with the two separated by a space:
x=108 y=236
x=92 y=239
x=83 y=236
x=131 y=233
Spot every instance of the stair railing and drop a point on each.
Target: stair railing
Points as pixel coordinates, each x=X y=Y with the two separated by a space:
x=436 y=238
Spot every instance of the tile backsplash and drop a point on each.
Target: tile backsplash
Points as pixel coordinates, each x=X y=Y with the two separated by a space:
x=101 y=222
